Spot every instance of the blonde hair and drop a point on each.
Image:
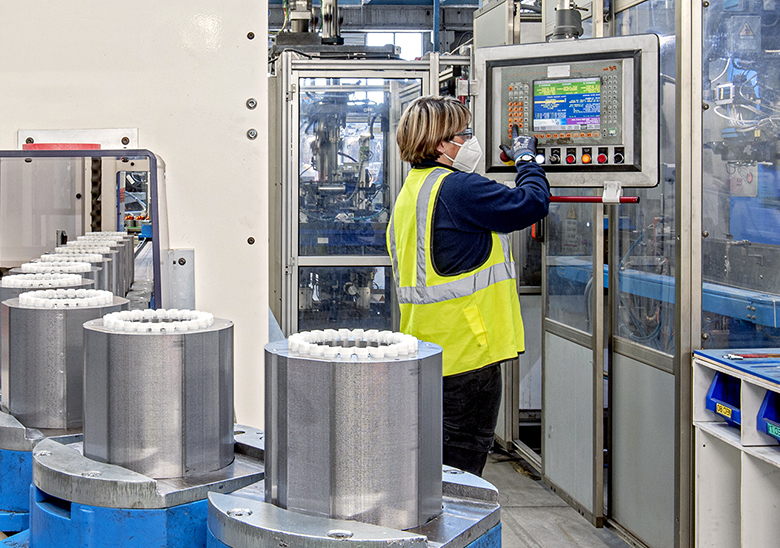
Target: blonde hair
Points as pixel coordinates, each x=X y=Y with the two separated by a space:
x=426 y=122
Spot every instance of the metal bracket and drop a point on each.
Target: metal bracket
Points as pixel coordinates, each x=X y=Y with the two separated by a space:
x=181 y=269
x=612 y=192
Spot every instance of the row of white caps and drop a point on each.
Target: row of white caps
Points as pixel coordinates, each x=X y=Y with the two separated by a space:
x=66 y=298
x=332 y=343
x=74 y=258
x=105 y=234
x=58 y=266
x=98 y=247
x=158 y=321
x=91 y=242
x=92 y=236
x=47 y=280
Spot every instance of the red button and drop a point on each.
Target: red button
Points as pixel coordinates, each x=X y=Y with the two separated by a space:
x=602 y=158
x=570 y=159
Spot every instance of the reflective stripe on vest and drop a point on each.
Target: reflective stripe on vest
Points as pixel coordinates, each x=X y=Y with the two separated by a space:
x=478 y=280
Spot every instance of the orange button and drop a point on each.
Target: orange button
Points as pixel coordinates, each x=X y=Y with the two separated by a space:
x=521 y=125
x=582 y=135
x=568 y=135
x=586 y=158
x=548 y=135
x=520 y=103
x=511 y=88
x=596 y=134
x=590 y=135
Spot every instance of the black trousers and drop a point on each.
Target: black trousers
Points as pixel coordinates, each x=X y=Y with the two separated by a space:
x=471 y=402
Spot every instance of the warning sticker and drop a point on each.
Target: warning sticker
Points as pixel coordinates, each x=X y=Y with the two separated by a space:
x=746 y=31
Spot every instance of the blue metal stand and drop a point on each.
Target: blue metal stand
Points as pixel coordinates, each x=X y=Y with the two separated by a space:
x=56 y=523
x=491 y=539
x=15 y=480
x=19 y=540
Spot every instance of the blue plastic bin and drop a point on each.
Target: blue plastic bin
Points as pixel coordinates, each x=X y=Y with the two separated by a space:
x=724 y=398
x=768 y=421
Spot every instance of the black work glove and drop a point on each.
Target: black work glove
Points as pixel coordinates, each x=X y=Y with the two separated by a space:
x=523 y=148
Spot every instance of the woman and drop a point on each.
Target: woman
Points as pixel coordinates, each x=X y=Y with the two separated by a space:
x=452 y=265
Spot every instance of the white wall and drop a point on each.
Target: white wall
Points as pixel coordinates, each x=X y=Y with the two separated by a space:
x=181 y=72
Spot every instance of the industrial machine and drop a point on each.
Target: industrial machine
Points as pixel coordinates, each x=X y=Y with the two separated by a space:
x=593 y=106
x=358 y=460
x=336 y=109
x=741 y=188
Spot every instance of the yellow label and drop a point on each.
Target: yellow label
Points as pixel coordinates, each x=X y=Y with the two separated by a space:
x=723 y=410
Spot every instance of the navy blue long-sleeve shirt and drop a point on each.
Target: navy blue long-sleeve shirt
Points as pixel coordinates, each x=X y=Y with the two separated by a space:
x=469 y=207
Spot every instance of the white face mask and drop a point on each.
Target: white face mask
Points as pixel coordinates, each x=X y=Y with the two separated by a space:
x=468 y=156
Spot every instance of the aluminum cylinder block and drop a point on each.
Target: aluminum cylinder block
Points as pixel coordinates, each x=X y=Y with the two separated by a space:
x=354 y=426
x=160 y=392
x=43 y=354
x=83 y=268
x=126 y=245
x=14 y=285
x=117 y=271
x=104 y=278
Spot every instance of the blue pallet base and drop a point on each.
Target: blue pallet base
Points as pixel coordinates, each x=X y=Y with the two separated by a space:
x=491 y=539
x=19 y=540
x=15 y=480
x=55 y=523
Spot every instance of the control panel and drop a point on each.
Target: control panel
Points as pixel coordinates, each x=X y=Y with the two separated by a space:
x=591 y=104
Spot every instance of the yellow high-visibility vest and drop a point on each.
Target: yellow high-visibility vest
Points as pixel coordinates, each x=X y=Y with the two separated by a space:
x=474 y=316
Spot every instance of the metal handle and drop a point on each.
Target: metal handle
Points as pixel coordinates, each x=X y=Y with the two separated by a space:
x=592 y=199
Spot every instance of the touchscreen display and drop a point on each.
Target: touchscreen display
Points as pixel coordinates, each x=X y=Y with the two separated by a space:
x=568 y=105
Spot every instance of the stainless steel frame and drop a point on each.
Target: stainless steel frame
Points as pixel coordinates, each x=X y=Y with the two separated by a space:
x=593 y=509
x=291 y=67
x=688 y=277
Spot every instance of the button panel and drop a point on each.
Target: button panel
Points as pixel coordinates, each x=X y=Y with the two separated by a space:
x=580 y=141
x=582 y=156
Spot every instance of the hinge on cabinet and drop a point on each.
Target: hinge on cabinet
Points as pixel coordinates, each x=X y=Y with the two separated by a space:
x=293 y=90
x=290 y=267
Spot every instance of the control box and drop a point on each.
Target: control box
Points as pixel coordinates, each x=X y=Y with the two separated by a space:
x=591 y=104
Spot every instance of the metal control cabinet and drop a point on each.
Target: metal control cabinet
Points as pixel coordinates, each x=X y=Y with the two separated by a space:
x=336 y=172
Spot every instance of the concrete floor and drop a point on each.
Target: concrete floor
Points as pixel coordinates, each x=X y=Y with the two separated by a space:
x=532 y=516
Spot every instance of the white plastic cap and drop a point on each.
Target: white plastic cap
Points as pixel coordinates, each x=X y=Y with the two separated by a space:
x=41 y=281
x=66 y=298
x=158 y=321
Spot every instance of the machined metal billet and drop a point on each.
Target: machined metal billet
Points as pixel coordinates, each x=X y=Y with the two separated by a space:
x=101 y=266
x=63 y=471
x=160 y=385
x=127 y=245
x=350 y=435
x=15 y=284
x=107 y=251
x=84 y=269
x=43 y=354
